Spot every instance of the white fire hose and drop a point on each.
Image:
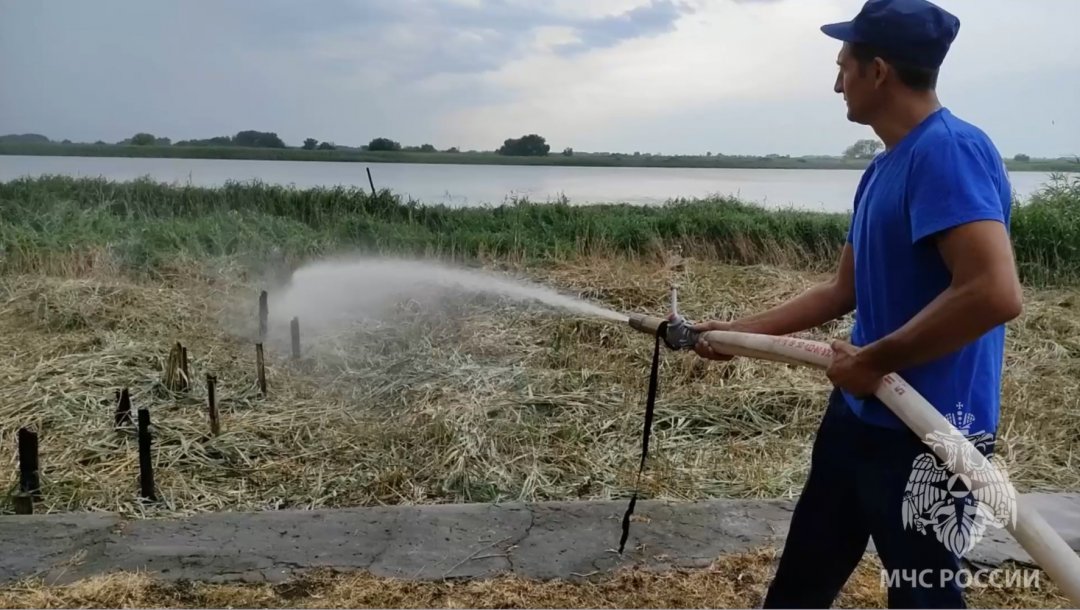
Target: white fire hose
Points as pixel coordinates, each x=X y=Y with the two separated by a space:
x=1034 y=534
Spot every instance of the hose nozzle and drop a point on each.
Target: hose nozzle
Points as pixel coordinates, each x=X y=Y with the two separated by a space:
x=678 y=335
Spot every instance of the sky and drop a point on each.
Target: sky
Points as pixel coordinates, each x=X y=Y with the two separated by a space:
x=747 y=77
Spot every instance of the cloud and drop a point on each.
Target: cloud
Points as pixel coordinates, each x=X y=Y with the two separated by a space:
x=654 y=18
x=738 y=76
x=711 y=56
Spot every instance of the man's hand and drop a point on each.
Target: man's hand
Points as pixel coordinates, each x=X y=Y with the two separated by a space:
x=850 y=372
x=702 y=348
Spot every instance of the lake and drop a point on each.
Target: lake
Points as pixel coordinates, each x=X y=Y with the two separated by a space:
x=477 y=185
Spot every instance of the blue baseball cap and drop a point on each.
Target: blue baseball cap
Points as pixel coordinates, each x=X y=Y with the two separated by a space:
x=915 y=32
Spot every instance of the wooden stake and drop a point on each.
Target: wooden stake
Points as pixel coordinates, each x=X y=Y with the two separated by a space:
x=211 y=403
x=24 y=503
x=295 y=328
x=176 y=376
x=371 y=182
x=261 y=364
x=123 y=409
x=146 y=465
x=264 y=314
x=29 y=481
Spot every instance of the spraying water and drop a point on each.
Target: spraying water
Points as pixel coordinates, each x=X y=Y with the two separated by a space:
x=347 y=290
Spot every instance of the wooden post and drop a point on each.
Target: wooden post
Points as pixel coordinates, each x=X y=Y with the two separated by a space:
x=24 y=504
x=264 y=314
x=295 y=328
x=261 y=364
x=211 y=403
x=146 y=465
x=123 y=409
x=371 y=182
x=29 y=481
x=176 y=377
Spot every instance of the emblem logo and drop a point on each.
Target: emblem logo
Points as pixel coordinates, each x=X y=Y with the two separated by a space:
x=957 y=498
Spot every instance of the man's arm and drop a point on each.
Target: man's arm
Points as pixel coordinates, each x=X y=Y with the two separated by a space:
x=818 y=305
x=985 y=292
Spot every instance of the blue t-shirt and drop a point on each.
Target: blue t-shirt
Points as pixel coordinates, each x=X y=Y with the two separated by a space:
x=944 y=173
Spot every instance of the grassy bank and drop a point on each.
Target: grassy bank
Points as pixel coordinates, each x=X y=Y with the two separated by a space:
x=144 y=223
x=464 y=398
x=579 y=159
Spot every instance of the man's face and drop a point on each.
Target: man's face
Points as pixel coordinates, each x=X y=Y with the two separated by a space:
x=858 y=83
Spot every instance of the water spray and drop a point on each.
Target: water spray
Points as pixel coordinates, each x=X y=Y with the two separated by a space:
x=955 y=451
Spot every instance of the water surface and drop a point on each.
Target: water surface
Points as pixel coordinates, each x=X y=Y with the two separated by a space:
x=477 y=185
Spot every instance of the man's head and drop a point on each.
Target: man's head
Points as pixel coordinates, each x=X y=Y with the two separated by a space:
x=891 y=48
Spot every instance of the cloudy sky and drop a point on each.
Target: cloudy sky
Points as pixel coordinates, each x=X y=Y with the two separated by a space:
x=665 y=76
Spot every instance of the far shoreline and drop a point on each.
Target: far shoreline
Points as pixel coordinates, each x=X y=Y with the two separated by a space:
x=483 y=158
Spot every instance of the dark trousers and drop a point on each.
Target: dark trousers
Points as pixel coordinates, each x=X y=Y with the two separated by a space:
x=855 y=491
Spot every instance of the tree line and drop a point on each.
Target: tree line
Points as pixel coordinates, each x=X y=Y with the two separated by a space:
x=527 y=145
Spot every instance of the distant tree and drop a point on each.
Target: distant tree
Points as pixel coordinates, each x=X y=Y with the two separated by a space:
x=863 y=149
x=66 y=141
x=24 y=138
x=327 y=146
x=258 y=139
x=99 y=143
x=427 y=148
x=568 y=152
x=530 y=145
x=215 y=141
x=162 y=141
x=309 y=144
x=383 y=144
x=142 y=139
x=1022 y=158
x=453 y=149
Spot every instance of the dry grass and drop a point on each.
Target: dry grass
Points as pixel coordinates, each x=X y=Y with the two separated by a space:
x=737 y=581
x=473 y=399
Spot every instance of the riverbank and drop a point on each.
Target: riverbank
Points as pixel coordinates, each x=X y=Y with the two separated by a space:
x=446 y=398
x=577 y=159
x=453 y=398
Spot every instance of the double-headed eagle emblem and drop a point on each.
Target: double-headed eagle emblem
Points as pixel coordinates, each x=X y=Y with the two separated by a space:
x=958 y=496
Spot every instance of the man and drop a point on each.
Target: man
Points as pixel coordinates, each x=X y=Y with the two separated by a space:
x=929 y=270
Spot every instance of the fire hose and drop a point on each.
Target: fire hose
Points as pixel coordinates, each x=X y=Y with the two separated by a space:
x=1031 y=531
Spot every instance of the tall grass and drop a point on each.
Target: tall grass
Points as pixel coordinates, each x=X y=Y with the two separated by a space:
x=1046 y=233
x=144 y=223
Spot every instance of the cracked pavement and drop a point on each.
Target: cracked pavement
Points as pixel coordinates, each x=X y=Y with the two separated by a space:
x=564 y=540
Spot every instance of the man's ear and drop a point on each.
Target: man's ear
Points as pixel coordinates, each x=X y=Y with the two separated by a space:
x=880 y=72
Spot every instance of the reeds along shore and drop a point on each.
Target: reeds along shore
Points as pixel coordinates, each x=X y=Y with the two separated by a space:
x=143 y=225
